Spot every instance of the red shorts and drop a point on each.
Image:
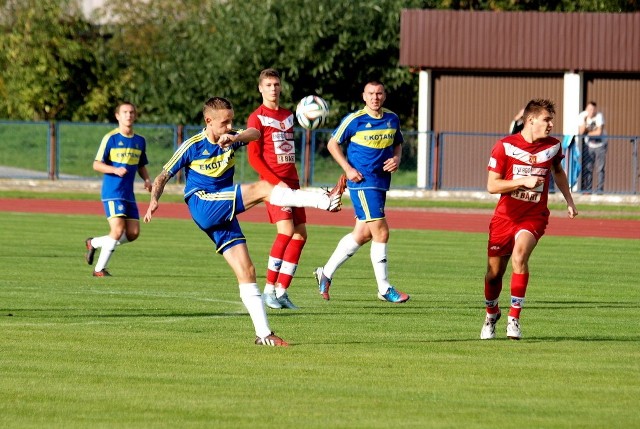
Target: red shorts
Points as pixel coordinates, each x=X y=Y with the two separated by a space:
x=278 y=213
x=502 y=233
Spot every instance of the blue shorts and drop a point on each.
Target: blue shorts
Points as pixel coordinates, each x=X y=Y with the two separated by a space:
x=215 y=214
x=121 y=208
x=368 y=203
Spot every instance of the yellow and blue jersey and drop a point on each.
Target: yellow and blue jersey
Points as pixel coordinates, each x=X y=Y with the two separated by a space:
x=119 y=150
x=371 y=142
x=207 y=166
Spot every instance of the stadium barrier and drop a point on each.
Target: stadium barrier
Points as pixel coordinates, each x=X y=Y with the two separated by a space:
x=448 y=161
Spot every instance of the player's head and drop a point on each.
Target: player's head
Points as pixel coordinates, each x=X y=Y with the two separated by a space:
x=269 y=86
x=126 y=114
x=374 y=96
x=538 y=118
x=218 y=116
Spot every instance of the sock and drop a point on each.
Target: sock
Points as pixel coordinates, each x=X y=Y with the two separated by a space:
x=346 y=248
x=290 y=263
x=269 y=289
x=107 y=249
x=287 y=197
x=378 y=255
x=280 y=291
x=491 y=294
x=97 y=242
x=250 y=295
x=519 y=284
x=123 y=239
x=274 y=265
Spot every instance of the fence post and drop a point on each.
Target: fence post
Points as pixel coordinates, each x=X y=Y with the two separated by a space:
x=436 y=166
x=53 y=158
x=179 y=142
x=307 y=158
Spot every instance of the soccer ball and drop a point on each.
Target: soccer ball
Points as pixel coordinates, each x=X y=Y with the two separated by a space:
x=312 y=112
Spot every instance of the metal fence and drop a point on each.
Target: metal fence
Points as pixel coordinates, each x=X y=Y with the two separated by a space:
x=462 y=160
x=443 y=161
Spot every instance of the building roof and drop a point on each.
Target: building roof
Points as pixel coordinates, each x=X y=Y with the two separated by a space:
x=520 y=41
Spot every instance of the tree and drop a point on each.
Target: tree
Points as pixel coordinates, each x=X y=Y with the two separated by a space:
x=168 y=56
x=47 y=58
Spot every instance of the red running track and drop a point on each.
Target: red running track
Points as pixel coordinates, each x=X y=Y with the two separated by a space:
x=429 y=219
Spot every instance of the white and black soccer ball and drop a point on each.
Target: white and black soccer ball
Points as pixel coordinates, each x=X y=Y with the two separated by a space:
x=312 y=112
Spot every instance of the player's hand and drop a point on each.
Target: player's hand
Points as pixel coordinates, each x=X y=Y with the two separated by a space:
x=153 y=206
x=572 y=211
x=148 y=185
x=354 y=175
x=120 y=171
x=532 y=182
x=226 y=140
x=391 y=165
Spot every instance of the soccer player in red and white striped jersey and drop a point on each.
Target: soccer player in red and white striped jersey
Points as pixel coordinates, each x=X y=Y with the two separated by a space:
x=273 y=156
x=519 y=170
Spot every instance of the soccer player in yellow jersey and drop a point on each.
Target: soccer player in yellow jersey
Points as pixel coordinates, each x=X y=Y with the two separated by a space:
x=121 y=155
x=208 y=159
x=373 y=153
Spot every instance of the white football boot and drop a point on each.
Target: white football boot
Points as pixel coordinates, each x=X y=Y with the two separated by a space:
x=513 y=328
x=488 y=331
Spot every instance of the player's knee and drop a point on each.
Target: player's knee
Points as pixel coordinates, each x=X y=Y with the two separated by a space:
x=248 y=274
x=519 y=262
x=263 y=189
x=258 y=191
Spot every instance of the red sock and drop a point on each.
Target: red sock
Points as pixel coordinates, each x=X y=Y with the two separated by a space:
x=491 y=294
x=275 y=257
x=519 y=284
x=290 y=263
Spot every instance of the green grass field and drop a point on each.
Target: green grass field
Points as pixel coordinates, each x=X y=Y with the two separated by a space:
x=166 y=342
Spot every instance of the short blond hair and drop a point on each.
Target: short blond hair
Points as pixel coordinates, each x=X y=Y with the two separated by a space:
x=216 y=103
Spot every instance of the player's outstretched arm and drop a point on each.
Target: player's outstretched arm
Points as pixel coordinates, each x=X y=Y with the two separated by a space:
x=245 y=136
x=156 y=192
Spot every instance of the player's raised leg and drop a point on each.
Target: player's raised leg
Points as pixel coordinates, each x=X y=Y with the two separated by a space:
x=257 y=192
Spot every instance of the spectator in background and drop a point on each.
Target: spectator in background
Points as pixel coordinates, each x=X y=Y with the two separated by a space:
x=518 y=123
x=121 y=155
x=594 y=149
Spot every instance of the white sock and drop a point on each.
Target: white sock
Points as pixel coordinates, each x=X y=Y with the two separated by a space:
x=345 y=249
x=123 y=239
x=280 y=291
x=107 y=248
x=269 y=289
x=287 y=197
x=379 y=261
x=252 y=300
x=97 y=242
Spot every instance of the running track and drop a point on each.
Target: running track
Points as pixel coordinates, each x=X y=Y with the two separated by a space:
x=444 y=220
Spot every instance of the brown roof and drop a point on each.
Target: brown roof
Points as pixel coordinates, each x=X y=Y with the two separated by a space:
x=520 y=41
